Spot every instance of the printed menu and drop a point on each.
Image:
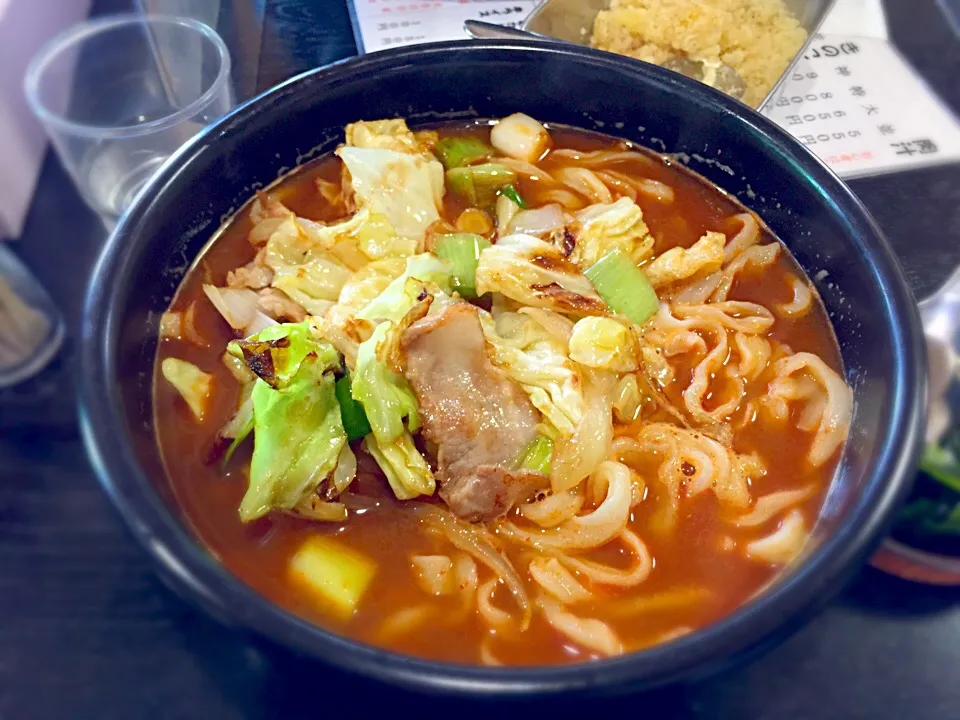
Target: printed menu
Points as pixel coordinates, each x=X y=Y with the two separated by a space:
x=859 y=106
x=382 y=24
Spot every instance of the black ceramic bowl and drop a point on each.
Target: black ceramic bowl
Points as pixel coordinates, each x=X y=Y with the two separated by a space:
x=828 y=230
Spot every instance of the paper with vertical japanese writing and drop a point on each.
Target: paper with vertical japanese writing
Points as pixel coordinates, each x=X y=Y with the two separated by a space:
x=861 y=108
x=382 y=24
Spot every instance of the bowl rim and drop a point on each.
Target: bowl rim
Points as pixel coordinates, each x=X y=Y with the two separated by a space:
x=780 y=608
x=920 y=566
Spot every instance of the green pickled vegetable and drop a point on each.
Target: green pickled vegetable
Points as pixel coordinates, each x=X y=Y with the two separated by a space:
x=623 y=286
x=479 y=184
x=462 y=251
x=941 y=464
x=933 y=514
x=949 y=525
x=512 y=194
x=538 y=455
x=351 y=412
x=456 y=152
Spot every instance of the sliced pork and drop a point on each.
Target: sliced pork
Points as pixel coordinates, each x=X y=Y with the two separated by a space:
x=254 y=275
x=279 y=306
x=479 y=420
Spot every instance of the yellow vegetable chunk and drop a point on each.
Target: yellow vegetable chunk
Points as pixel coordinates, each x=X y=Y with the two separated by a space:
x=336 y=574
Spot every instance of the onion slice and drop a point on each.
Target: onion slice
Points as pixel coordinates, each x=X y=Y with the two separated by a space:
x=539 y=221
x=471 y=540
x=238 y=306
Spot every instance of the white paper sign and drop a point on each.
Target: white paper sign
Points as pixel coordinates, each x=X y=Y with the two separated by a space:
x=865 y=18
x=382 y=24
x=856 y=103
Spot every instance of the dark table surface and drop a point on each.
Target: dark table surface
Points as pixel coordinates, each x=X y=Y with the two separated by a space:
x=87 y=630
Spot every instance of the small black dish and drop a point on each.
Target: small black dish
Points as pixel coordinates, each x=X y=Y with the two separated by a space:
x=824 y=225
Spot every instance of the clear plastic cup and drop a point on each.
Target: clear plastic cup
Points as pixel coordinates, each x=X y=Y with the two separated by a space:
x=118 y=95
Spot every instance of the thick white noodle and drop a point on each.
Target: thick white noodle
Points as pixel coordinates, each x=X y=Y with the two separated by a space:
x=433 y=573
x=687 y=329
x=486 y=653
x=554 y=509
x=559 y=582
x=477 y=541
x=618 y=184
x=659 y=191
x=526 y=169
x=630 y=576
x=494 y=617
x=589 y=633
x=585 y=531
x=599 y=158
x=569 y=200
x=405 y=621
x=690 y=463
x=783 y=544
x=769 y=506
x=740 y=254
x=802 y=300
x=584 y=182
x=748 y=235
x=754 y=353
x=829 y=401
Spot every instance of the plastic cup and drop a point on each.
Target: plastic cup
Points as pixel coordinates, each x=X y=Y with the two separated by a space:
x=118 y=95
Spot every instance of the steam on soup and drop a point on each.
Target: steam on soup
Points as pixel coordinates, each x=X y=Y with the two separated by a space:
x=497 y=394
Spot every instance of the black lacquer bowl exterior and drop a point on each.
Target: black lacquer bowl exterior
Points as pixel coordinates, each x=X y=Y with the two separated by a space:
x=823 y=224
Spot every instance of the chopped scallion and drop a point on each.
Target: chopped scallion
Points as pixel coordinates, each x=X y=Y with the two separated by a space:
x=623 y=286
x=456 y=152
x=512 y=194
x=479 y=184
x=538 y=455
x=351 y=412
x=462 y=251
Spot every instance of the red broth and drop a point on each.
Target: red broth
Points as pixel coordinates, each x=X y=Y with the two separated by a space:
x=700 y=573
